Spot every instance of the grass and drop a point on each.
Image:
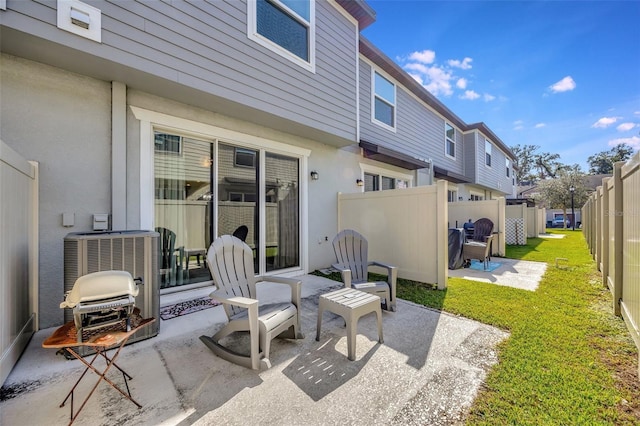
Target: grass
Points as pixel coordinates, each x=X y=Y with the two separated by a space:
x=568 y=359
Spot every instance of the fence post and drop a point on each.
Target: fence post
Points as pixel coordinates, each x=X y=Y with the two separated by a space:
x=442 y=237
x=618 y=238
x=606 y=219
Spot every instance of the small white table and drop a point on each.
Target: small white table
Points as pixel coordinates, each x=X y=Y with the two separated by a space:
x=350 y=304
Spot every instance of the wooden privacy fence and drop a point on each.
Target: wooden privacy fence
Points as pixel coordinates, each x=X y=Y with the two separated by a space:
x=611 y=226
x=19 y=256
x=404 y=227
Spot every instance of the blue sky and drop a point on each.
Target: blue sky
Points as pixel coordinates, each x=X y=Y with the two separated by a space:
x=564 y=75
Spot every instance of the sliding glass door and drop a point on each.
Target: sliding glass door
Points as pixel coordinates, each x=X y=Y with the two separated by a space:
x=255 y=197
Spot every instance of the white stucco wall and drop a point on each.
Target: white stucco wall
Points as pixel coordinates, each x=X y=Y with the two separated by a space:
x=62 y=121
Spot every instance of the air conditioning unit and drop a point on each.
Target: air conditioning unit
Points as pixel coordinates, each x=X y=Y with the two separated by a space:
x=133 y=251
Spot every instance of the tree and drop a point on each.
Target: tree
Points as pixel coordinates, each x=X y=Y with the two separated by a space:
x=556 y=193
x=548 y=165
x=524 y=161
x=602 y=162
x=533 y=165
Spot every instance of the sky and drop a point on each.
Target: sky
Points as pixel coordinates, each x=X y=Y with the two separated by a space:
x=562 y=75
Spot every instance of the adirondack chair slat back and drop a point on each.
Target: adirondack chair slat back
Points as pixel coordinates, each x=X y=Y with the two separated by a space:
x=231 y=264
x=351 y=249
x=482 y=228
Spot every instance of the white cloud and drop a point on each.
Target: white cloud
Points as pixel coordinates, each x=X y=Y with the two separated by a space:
x=564 y=85
x=636 y=112
x=437 y=81
x=518 y=125
x=488 y=98
x=417 y=78
x=461 y=83
x=414 y=66
x=540 y=125
x=469 y=95
x=605 y=122
x=465 y=64
x=425 y=56
x=633 y=141
x=625 y=127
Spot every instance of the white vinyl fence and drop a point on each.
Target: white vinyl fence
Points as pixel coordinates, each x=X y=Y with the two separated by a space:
x=18 y=256
x=404 y=227
x=461 y=212
x=611 y=226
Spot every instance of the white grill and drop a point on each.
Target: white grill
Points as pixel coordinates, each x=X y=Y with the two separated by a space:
x=101 y=300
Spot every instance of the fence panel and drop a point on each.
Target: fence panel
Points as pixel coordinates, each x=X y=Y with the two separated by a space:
x=18 y=256
x=630 y=214
x=404 y=227
x=462 y=211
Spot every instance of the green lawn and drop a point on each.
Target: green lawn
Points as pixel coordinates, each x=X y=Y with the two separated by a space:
x=568 y=360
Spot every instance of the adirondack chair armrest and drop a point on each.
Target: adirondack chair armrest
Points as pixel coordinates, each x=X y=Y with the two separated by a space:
x=391 y=269
x=392 y=275
x=296 y=286
x=243 y=302
x=345 y=272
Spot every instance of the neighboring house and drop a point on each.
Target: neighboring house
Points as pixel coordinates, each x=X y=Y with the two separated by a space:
x=402 y=124
x=204 y=116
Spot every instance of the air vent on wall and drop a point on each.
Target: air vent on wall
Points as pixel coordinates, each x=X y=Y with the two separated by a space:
x=80 y=18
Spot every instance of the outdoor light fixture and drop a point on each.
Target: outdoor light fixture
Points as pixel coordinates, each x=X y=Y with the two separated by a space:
x=359 y=182
x=315 y=175
x=573 y=214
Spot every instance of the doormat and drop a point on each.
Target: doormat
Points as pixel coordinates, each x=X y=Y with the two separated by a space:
x=187 y=307
x=479 y=266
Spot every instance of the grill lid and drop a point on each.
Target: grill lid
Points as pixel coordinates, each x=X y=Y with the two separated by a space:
x=100 y=285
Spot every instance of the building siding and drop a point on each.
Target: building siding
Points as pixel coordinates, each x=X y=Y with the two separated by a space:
x=419 y=131
x=204 y=45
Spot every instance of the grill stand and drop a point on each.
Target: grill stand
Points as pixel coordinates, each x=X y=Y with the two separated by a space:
x=65 y=338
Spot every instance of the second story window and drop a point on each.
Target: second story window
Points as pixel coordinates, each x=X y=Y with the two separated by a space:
x=384 y=101
x=286 y=27
x=450 y=140
x=507 y=166
x=487 y=153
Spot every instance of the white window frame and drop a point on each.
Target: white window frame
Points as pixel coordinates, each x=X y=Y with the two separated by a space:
x=380 y=171
x=252 y=33
x=151 y=121
x=374 y=96
x=488 y=153
x=447 y=140
x=508 y=166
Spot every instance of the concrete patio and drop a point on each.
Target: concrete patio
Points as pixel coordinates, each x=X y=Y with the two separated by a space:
x=522 y=274
x=428 y=371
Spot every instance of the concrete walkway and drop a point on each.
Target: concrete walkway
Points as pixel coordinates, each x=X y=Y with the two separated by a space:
x=522 y=274
x=428 y=371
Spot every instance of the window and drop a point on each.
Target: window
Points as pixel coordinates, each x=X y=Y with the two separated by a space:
x=371 y=182
x=245 y=158
x=507 y=166
x=374 y=181
x=450 y=140
x=286 y=27
x=384 y=100
x=487 y=153
x=452 y=196
x=164 y=142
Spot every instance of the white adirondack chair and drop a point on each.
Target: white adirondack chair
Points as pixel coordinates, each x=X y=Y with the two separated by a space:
x=351 y=249
x=231 y=264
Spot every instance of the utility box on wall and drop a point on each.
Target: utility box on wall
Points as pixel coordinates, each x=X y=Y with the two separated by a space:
x=133 y=251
